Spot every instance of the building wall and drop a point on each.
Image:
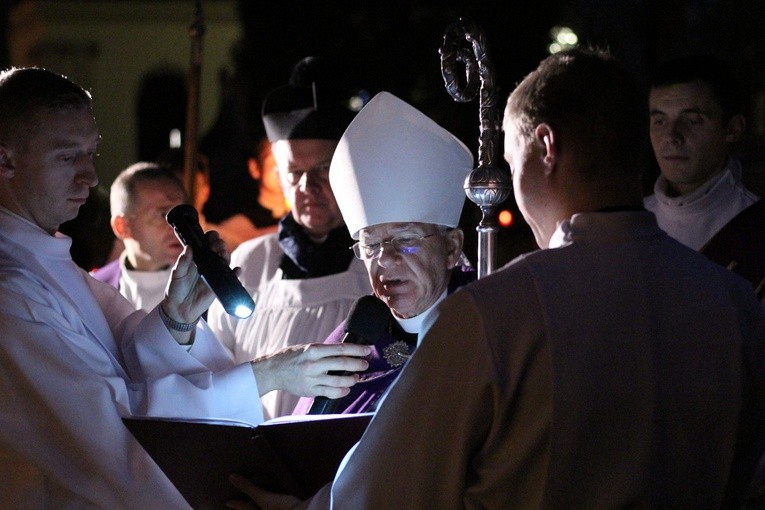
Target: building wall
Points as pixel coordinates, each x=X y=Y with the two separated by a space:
x=108 y=46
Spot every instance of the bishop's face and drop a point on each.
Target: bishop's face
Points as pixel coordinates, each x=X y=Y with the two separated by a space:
x=410 y=279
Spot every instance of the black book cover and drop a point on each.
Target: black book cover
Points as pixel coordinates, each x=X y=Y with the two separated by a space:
x=293 y=455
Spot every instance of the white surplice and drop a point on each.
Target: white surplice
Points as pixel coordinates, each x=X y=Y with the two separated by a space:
x=75 y=357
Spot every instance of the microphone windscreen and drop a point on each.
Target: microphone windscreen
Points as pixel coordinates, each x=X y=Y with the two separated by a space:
x=368 y=318
x=184 y=218
x=366 y=322
x=181 y=211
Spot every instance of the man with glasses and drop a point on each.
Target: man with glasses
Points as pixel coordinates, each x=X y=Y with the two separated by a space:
x=398 y=179
x=304 y=278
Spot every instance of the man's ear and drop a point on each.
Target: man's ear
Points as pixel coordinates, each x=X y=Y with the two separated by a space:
x=120 y=227
x=456 y=239
x=546 y=137
x=254 y=167
x=7 y=168
x=735 y=128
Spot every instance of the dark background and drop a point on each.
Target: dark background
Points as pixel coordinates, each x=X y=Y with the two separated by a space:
x=393 y=46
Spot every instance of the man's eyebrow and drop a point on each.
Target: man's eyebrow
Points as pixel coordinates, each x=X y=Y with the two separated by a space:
x=698 y=110
x=692 y=109
x=301 y=169
x=68 y=143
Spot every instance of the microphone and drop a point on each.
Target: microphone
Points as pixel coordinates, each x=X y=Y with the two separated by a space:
x=367 y=320
x=212 y=267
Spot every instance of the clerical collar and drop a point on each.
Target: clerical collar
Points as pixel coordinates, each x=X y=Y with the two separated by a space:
x=303 y=258
x=414 y=324
x=128 y=266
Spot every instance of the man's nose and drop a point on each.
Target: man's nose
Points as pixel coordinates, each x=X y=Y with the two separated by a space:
x=675 y=133
x=86 y=171
x=388 y=255
x=308 y=181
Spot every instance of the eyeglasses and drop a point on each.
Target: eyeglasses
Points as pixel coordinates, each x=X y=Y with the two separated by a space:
x=403 y=244
x=318 y=173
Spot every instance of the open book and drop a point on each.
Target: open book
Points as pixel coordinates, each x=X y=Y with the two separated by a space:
x=293 y=455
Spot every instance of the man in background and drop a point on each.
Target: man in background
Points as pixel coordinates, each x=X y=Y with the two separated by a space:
x=140 y=198
x=696 y=119
x=271 y=206
x=304 y=278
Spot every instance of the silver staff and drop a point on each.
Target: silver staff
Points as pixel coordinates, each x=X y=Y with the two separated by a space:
x=487 y=185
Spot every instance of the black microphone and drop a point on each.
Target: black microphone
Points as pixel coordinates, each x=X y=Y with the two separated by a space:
x=367 y=320
x=212 y=267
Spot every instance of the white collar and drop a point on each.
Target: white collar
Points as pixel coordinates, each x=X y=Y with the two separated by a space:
x=731 y=172
x=414 y=324
x=562 y=235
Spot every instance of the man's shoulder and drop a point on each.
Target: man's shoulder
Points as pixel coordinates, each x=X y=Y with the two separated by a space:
x=740 y=245
x=515 y=277
x=258 y=258
x=12 y=268
x=257 y=248
x=22 y=284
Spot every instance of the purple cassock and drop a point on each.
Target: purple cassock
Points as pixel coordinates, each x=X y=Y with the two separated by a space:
x=110 y=273
x=391 y=351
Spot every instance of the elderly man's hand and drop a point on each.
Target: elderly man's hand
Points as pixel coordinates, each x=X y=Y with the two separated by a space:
x=303 y=369
x=264 y=500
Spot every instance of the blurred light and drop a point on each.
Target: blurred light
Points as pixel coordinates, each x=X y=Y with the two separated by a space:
x=242 y=311
x=355 y=103
x=175 y=138
x=563 y=38
x=358 y=100
x=505 y=218
x=566 y=37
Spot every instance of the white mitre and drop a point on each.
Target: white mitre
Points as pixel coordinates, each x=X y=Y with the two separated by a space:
x=395 y=165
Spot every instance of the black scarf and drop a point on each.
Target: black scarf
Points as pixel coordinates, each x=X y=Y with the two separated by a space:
x=304 y=258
